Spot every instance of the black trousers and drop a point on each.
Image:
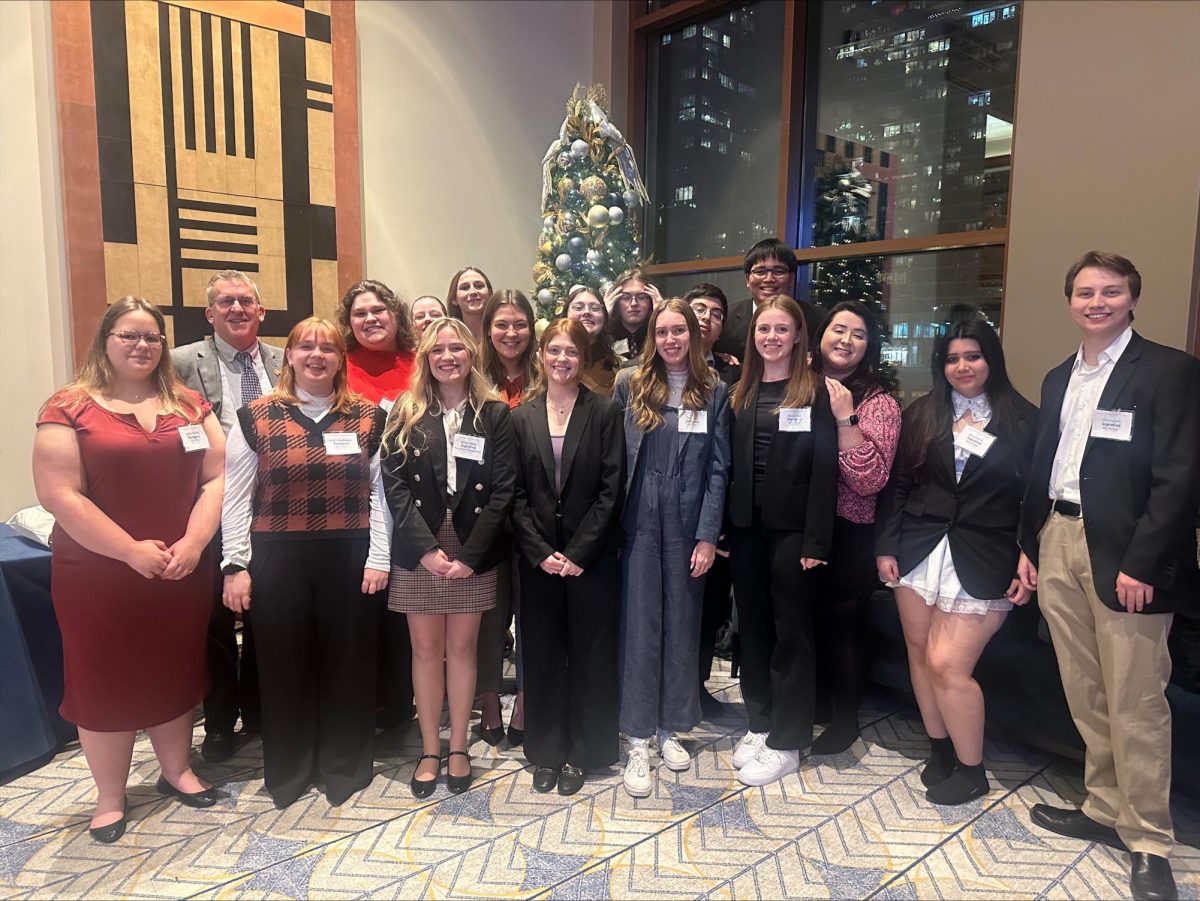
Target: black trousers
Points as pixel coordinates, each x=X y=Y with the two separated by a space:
x=718 y=604
x=394 y=687
x=233 y=684
x=778 y=670
x=841 y=590
x=317 y=642
x=569 y=629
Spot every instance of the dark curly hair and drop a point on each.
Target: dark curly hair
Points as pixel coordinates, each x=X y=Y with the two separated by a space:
x=406 y=341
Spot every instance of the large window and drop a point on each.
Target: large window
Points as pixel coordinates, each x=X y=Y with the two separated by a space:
x=874 y=137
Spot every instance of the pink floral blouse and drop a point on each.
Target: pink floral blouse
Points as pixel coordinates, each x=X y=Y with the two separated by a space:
x=864 y=470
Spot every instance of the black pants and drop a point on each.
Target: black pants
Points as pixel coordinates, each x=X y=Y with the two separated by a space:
x=317 y=642
x=233 y=685
x=717 y=606
x=778 y=670
x=841 y=590
x=394 y=687
x=569 y=629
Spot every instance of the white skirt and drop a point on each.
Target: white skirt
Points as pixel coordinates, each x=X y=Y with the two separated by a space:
x=935 y=580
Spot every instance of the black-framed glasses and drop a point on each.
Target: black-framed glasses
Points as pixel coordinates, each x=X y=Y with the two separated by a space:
x=131 y=339
x=764 y=271
x=635 y=298
x=701 y=309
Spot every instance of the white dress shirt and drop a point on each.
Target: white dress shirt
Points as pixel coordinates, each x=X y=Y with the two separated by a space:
x=1075 y=422
x=452 y=425
x=241 y=478
x=231 y=380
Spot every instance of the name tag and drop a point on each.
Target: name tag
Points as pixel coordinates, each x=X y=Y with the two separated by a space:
x=469 y=447
x=693 y=422
x=795 y=419
x=620 y=348
x=1115 y=425
x=341 y=444
x=193 y=438
x=386 y=404
x=975 y=441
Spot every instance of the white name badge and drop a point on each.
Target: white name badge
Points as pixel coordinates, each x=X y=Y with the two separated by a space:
x=469 y=447
x=193 y=438
x=341 y=444
x=694 y=422
x=1116 y=425
x=620 y=348
x=975 y=441
x=795 y=419
x=386 y=404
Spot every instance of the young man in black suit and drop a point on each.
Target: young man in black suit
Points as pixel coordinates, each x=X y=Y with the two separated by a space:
x=1108 y=540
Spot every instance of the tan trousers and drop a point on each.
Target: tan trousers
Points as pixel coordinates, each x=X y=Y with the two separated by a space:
x=1115 y=667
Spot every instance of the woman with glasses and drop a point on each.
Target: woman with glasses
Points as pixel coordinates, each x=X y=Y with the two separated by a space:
x=585 y=307
x=130 y=463
x=510 y=364
x=676 y=414
x=425 y=310
x=470 y=289
x=629 y=302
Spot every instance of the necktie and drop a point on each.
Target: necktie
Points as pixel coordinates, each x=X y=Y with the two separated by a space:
x=251 y=388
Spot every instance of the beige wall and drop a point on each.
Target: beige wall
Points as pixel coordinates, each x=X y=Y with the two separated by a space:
x=1106 y=156
x=32 y=304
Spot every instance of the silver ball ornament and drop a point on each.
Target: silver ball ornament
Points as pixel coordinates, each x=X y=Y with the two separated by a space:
x=562 y=262
x=595 y=257
x=565 y=159
x=545 y=297
x=616 y=215
x=631 y=199
x=579 y=148
x=597 y=216
x=576 y=245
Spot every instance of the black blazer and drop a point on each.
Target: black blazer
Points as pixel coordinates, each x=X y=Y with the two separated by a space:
x=979 y=512
x=416 y=490
x=1139 y=497
x=801 y=477
x=583 y=522
x=737 y=327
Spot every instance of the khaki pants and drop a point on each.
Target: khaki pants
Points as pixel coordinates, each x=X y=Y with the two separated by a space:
x=1115 y=668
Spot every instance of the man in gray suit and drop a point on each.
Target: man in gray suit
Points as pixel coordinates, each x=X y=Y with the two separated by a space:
x=230 y=368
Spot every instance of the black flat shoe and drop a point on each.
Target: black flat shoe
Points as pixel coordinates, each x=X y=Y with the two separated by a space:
x=570 y=780
x=423 y=788
x=1150 y=878
x=965 y=784
x=516 y=737
x=1075 y=824
x=106 y=835
x=544 y=778
x=491 y=736
x=458 y=784
x=206 y=798
x=217 y=746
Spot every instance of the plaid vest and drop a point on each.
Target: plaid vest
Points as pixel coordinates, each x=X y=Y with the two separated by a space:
x=301 y=488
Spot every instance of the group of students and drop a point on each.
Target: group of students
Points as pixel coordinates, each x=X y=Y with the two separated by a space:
x=447 y=458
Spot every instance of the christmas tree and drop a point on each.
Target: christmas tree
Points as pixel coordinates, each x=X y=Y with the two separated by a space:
x=592 y=202
x=843 y=216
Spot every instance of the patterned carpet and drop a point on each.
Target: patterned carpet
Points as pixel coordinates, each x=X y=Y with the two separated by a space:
x=851 y=826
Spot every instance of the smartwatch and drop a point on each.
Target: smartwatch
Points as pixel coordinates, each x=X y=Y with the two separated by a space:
x=848 y=423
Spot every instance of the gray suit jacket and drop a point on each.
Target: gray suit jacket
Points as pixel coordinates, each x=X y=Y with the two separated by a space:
x=200 y=368
x=703 y=461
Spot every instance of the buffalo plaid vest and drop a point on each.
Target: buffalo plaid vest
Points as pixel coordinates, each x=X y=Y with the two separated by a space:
x=301 y=488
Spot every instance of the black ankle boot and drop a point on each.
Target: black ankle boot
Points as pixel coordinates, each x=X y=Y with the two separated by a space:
x=965 y=784
x=940 y=763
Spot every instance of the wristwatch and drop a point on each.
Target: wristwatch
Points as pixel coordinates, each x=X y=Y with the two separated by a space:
x=230 y=568
x=848 y=423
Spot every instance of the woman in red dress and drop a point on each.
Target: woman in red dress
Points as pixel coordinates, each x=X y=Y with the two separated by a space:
x=379 y=340
x=130 y=462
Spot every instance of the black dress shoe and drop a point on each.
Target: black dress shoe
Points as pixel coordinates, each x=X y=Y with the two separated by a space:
x=423 y=788
x=1150 y=878
x=516 y=737
x=206 y=798
x=106 y=835
x=570 y=780
x=1075 y=824
x=458 y=784
x=491 y=736
x=217 y=746
x=544 y=778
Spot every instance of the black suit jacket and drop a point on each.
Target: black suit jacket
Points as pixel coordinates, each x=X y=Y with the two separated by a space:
x=416 y=490
x=1139 y=497
x=737 y=326
x=583 y=521
x=801 y=477
x=979 y=512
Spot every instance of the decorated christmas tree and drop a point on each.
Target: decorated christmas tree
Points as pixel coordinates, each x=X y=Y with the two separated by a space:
x=592 y=204
x=843 y=216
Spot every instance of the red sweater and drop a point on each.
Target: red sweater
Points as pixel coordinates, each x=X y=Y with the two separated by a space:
x=378 y=374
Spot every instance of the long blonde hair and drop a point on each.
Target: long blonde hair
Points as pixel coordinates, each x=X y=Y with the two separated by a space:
x=421 y=400
x=802 y=383
x=285 y=390
x=648 y=388
x=96 y=373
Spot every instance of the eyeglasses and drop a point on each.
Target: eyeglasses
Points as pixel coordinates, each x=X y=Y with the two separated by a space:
x=764 y=271
x=581 y=307
x=131 y=339
x=226 y=303
x=635 y=298
x=701 y=310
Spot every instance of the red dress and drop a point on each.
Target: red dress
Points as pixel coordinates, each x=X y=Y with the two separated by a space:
x=133 y=648
x=379 y=374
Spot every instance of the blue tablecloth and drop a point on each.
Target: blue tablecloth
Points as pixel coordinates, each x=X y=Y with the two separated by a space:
x=31 y=667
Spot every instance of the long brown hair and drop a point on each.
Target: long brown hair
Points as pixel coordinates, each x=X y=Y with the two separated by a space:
x=285 y=390
x=802 y=383
x=405 y=342
x=96 y=373
x=490 y=362
x=648 y=388
x=574 y=332
x=452 y=308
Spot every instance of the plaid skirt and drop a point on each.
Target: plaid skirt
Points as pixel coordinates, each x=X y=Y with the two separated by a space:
x=420 y=591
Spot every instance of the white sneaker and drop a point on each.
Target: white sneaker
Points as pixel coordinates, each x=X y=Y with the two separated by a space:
x=769 y=765
x=749 y=745
x=637 y=770
x=675 y=755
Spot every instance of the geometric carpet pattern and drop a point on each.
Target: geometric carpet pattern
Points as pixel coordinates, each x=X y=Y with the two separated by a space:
x=855 y=825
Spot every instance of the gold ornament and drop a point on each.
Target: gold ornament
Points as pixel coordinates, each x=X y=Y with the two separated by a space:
x=546 y=248
x=593 y=188
x=565 y=185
